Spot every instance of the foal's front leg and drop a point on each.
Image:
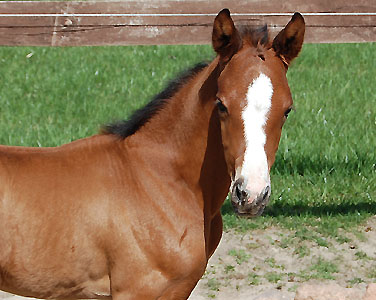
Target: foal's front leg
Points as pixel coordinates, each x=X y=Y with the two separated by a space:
x=175 y=291
x=149 y=284
x=180 y=290
x=135 y=284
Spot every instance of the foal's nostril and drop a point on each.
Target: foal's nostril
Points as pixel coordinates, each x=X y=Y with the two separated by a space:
x=266 y=192
x=238 y=193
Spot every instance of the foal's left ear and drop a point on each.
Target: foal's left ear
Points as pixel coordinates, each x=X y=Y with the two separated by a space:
x=289 y=41
x=225 y=38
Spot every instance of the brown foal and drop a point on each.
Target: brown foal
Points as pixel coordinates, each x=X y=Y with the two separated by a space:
x=134 y=212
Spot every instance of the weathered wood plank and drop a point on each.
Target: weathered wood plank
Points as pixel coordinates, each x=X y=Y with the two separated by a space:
x=175 y=22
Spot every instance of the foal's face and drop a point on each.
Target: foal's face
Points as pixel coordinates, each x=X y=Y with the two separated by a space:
x=253 y=101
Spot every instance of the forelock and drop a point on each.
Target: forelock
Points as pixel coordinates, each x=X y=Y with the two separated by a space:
x=256 y=37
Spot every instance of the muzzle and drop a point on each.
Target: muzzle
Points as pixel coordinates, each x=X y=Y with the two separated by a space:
x=246 y=203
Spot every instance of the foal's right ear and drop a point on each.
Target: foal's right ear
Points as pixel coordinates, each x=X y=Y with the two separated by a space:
x=288 y=43
x=225 y=38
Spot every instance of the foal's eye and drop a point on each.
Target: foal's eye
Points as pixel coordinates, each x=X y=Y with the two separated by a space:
x=221 y=107
x=287 y=112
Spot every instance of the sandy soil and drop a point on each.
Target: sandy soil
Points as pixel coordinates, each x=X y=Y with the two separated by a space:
x=273 y=263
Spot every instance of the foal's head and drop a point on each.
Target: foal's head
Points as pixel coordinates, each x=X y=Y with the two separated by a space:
x=253 y=101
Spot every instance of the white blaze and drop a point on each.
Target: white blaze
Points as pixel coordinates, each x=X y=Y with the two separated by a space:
x=255 y=114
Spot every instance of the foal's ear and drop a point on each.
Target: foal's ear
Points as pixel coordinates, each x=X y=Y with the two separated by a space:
x=289 y=41
x=225 y=38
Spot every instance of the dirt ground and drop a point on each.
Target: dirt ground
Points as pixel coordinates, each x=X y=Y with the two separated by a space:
x=272 y=263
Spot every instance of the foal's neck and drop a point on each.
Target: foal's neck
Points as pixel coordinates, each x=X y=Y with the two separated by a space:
x=187 y=130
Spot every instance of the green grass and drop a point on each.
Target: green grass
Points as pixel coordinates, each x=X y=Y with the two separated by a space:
x=51 y=96
x=360 y=255
x=321 y=269
x=253 y=279
x=213 y=284
x=354 y=281
x=324 y=177
x=240 y=255
x=229 y=269
x=271 y=262
x=273 y=277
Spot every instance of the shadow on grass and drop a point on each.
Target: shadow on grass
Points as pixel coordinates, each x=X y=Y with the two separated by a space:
x=289 y=210
x=321 y=210
x=358 y=162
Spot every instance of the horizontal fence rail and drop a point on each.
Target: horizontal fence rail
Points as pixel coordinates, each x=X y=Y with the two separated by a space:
x=147 y=22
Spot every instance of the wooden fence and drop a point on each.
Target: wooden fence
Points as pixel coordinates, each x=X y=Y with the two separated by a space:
x=146 y=22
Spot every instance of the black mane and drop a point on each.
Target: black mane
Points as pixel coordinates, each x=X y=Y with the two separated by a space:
x=258 y=37
x=123 y=129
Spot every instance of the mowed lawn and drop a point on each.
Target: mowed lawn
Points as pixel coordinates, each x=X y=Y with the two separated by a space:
x=325 y=174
